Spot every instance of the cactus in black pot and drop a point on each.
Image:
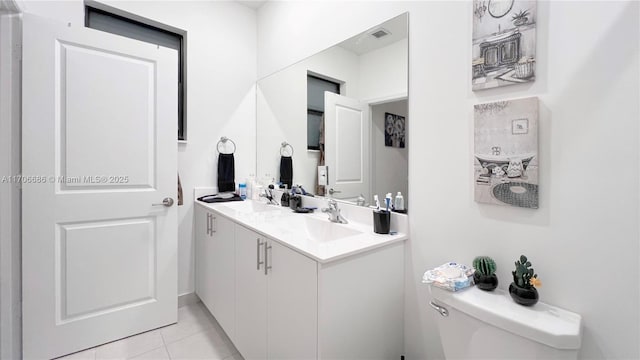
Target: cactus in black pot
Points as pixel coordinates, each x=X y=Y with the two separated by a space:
x=523 y=288
x=485 y=275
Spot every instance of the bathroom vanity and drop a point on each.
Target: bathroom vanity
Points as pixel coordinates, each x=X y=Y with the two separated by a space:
x=296 y=286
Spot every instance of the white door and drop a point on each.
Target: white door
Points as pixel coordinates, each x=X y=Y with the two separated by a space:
x=292 y=304
x=99 y=127
x=347 y=130
x=251 y=295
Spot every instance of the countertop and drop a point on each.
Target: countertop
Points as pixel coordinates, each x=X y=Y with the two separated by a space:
x=305 y=233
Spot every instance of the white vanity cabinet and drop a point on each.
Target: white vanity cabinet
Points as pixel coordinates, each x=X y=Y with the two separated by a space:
x=215 y=266
x=251 y=293
x=276 y=299
x=278 y=303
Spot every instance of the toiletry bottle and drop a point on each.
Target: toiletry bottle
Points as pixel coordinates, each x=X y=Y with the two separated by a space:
x=251 y=180
x=399 y=202
x=387 y=201
x=257 y=190
x=242 y=190
x=284 y=200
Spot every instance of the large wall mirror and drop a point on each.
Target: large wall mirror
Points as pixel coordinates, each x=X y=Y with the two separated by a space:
x=341 y=116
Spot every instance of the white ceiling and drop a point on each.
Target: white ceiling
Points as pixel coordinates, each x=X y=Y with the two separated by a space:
x=254 y=4
x=365 y=42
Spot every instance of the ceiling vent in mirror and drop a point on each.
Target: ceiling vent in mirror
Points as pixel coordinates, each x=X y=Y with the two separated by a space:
x=379 y=33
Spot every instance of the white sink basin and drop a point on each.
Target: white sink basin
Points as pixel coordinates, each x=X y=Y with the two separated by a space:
x=250 y=206
x=324 y=230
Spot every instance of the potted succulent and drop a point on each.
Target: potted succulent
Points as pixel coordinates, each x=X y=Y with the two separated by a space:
x=525 y=280
x=485 y=274
x=520 y=18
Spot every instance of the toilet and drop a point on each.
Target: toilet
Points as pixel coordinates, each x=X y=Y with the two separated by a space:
x=476 y=324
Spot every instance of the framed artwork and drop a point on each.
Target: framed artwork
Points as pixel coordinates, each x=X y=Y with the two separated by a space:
x=519 y=126
x=394 y=134
x=506 y=153
x=504 y=43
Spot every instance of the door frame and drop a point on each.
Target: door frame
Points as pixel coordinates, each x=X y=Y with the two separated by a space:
x=372 y=156
x=10 y=165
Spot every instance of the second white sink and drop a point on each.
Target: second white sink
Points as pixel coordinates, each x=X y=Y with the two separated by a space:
x=324 y=230
x=250 y=206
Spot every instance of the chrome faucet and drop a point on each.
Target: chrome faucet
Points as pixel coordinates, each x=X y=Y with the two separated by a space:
x=334 y=212
x=268 y=194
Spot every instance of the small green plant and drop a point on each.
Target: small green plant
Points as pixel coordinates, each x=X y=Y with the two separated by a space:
x=484 y=265
x=522 y=14
x=524 y=276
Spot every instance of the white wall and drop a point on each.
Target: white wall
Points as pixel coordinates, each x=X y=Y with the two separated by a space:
x=221 y=74
x=382 y=73
x=587 y=82
x=390 y=165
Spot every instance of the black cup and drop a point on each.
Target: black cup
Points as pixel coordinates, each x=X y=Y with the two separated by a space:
x=284 y=200
x=381 y=221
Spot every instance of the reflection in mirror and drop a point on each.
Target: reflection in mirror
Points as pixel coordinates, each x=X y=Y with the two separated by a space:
x=344 y=111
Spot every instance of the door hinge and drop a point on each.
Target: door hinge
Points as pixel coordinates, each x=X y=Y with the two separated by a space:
x=17 y=52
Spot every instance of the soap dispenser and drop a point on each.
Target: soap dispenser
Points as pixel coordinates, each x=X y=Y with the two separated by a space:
x=284 y=200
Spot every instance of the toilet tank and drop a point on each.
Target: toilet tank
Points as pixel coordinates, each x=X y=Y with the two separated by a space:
x=476 y=324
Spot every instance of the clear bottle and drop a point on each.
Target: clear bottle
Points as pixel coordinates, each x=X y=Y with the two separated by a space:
x=251 y=183
x=399 y=202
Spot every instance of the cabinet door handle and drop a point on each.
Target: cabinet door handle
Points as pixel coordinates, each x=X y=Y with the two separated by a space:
x=258 y=245
x=208 y=224
x=213 y=224
x=267 y=247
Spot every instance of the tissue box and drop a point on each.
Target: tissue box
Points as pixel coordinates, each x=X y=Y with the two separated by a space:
x=449 y=276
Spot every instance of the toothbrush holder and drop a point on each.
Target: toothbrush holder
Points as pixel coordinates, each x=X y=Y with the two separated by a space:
x=381 y=221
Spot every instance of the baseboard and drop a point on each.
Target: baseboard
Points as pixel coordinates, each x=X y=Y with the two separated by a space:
x=188 y=299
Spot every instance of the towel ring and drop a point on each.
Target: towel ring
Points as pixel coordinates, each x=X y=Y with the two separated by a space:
x=223 y=140
x=283 y=147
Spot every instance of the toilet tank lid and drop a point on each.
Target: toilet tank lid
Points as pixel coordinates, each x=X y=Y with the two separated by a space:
x=543 y=323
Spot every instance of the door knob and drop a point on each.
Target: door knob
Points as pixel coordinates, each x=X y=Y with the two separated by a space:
x=168 y=202
x=331 y=191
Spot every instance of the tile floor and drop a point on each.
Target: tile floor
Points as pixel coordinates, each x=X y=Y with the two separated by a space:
x=197 y=335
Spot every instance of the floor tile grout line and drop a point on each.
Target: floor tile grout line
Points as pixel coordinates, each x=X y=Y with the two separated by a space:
x=207 y=326
x=164 y=343
x=184 y=337
x=214 y=330
x=144 y=352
